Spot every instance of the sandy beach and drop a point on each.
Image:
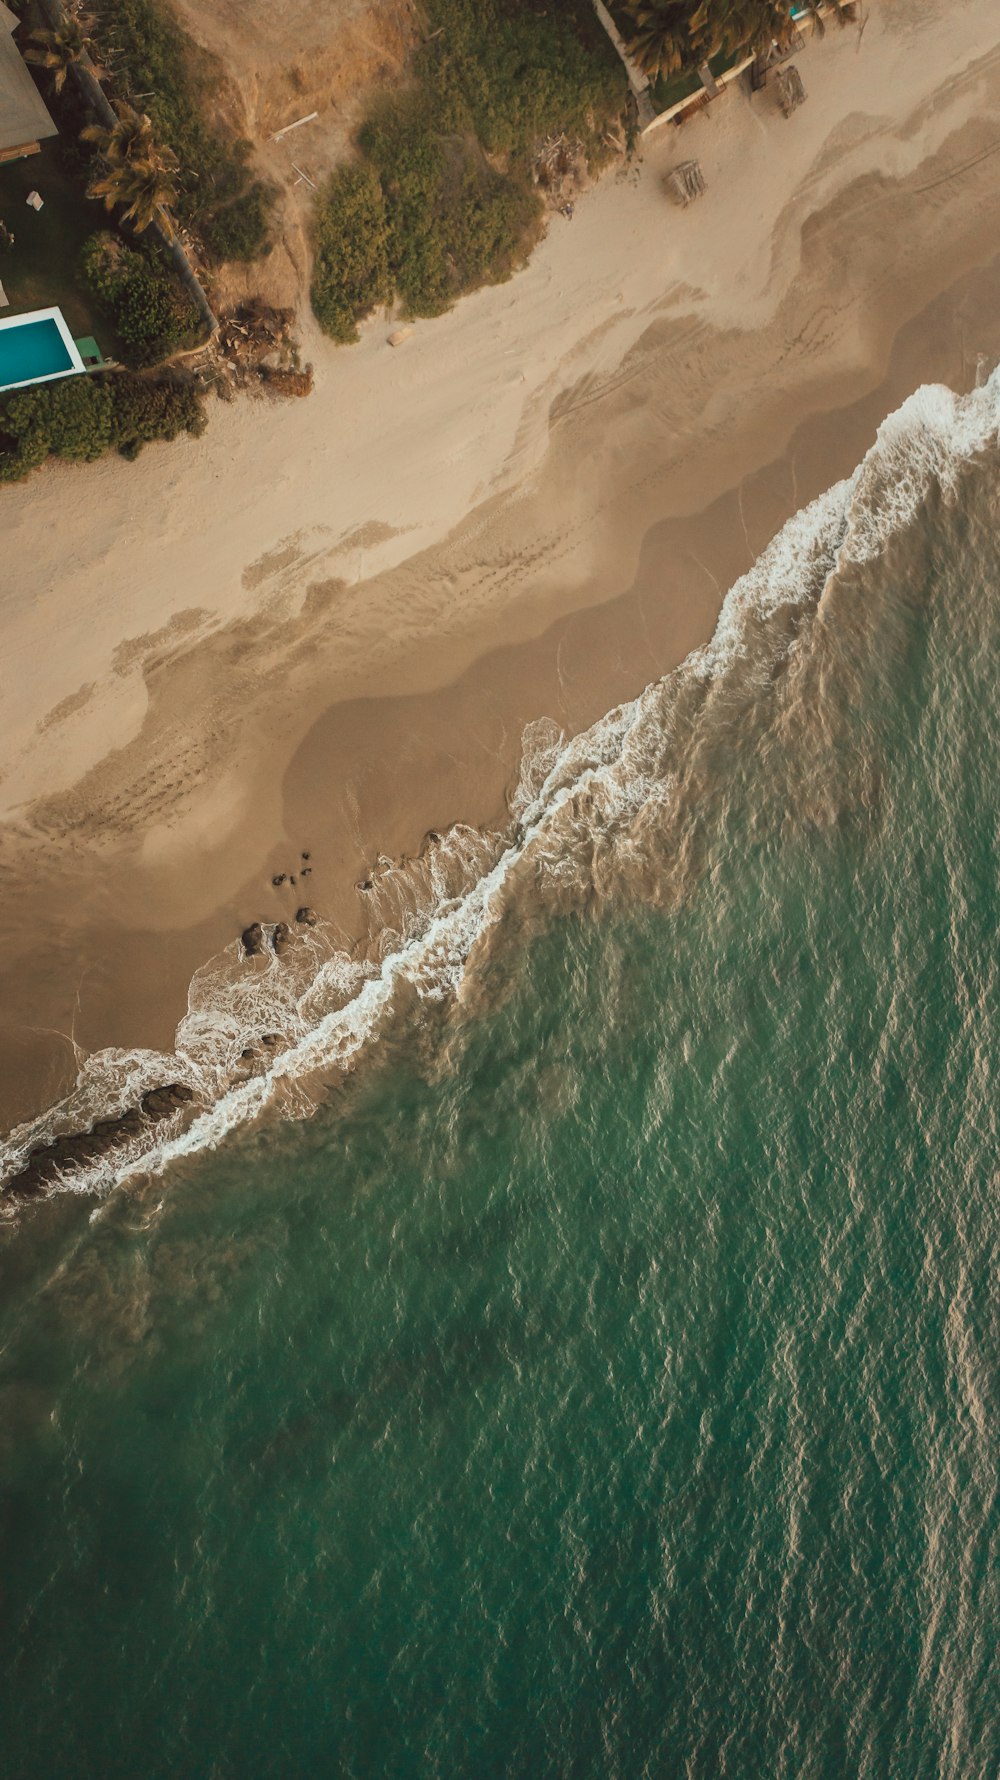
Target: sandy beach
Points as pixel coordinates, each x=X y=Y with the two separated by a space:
x=322 y=628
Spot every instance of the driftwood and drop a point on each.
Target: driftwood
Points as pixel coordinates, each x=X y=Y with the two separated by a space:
x=559 y=161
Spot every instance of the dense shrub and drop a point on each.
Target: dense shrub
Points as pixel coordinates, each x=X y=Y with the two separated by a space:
x=145 y=409
x=154 y=57
x=150 y=312
x=515 y=70
x=454 y=221
x=72 y=417
x=20 y=454
x=493 y=78
x=351 y=273
x=80 y=418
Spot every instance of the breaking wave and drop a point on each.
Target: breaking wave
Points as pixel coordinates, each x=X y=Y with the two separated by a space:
x=621 y=806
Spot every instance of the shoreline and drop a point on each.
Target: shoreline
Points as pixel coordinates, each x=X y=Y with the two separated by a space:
x=347 y=717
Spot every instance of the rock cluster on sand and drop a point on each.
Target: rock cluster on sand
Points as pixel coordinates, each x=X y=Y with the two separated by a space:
x=254 y=937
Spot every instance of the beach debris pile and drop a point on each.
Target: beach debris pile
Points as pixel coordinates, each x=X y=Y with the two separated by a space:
x=560 y=169
x=255 y=348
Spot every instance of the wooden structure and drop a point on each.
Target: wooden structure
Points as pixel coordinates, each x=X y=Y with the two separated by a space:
x=686 y=182
x=762 y=65
x=791 y=92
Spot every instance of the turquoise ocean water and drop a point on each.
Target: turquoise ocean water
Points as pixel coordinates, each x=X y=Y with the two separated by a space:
x=603 y=1381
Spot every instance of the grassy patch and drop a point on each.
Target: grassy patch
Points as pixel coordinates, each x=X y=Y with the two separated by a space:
x=155 y=63
x=448 y=161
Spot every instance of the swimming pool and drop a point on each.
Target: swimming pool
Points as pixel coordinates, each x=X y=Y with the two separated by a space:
x=35 y=348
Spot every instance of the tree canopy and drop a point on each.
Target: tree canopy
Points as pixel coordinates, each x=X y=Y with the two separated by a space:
x=668 y=35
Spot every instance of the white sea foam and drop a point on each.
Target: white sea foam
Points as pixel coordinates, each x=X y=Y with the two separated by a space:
x=326 y=1007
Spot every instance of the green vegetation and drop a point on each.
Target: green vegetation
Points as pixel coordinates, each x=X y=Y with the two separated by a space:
x=352 y=263
x=80 y=418
x=666 y=36
x=448 y=161
x=57 y=50
x=143 y=190
x=156 y=65
x=514 y=70
x=144 y=301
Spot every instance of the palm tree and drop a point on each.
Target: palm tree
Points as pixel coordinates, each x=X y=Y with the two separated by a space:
x=129 y=139
x=145 y=189
x=660 y=42
x=60 y=49
x=735 y=25
x=672 y=34
x=842 y=8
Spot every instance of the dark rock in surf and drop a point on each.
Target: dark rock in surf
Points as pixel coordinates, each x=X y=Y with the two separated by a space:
x=306 y=917
x=278 y=880
x=253 y=939
x=307 y=855
x=75 y=1149
x=159 y=1103
x=270 y=1039
x=281 y=937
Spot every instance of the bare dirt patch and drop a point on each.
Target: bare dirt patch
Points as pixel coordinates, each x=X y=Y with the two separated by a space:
x=280 y=63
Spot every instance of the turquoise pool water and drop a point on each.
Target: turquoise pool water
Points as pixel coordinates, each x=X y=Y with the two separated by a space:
x=34 y=350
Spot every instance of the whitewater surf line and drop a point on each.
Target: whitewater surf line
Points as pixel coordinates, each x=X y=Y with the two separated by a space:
x=600 y=779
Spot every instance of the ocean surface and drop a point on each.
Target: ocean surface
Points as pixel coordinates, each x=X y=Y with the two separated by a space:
x=601 y=1381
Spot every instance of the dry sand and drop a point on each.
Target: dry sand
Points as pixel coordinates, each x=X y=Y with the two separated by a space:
x=323 y=626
